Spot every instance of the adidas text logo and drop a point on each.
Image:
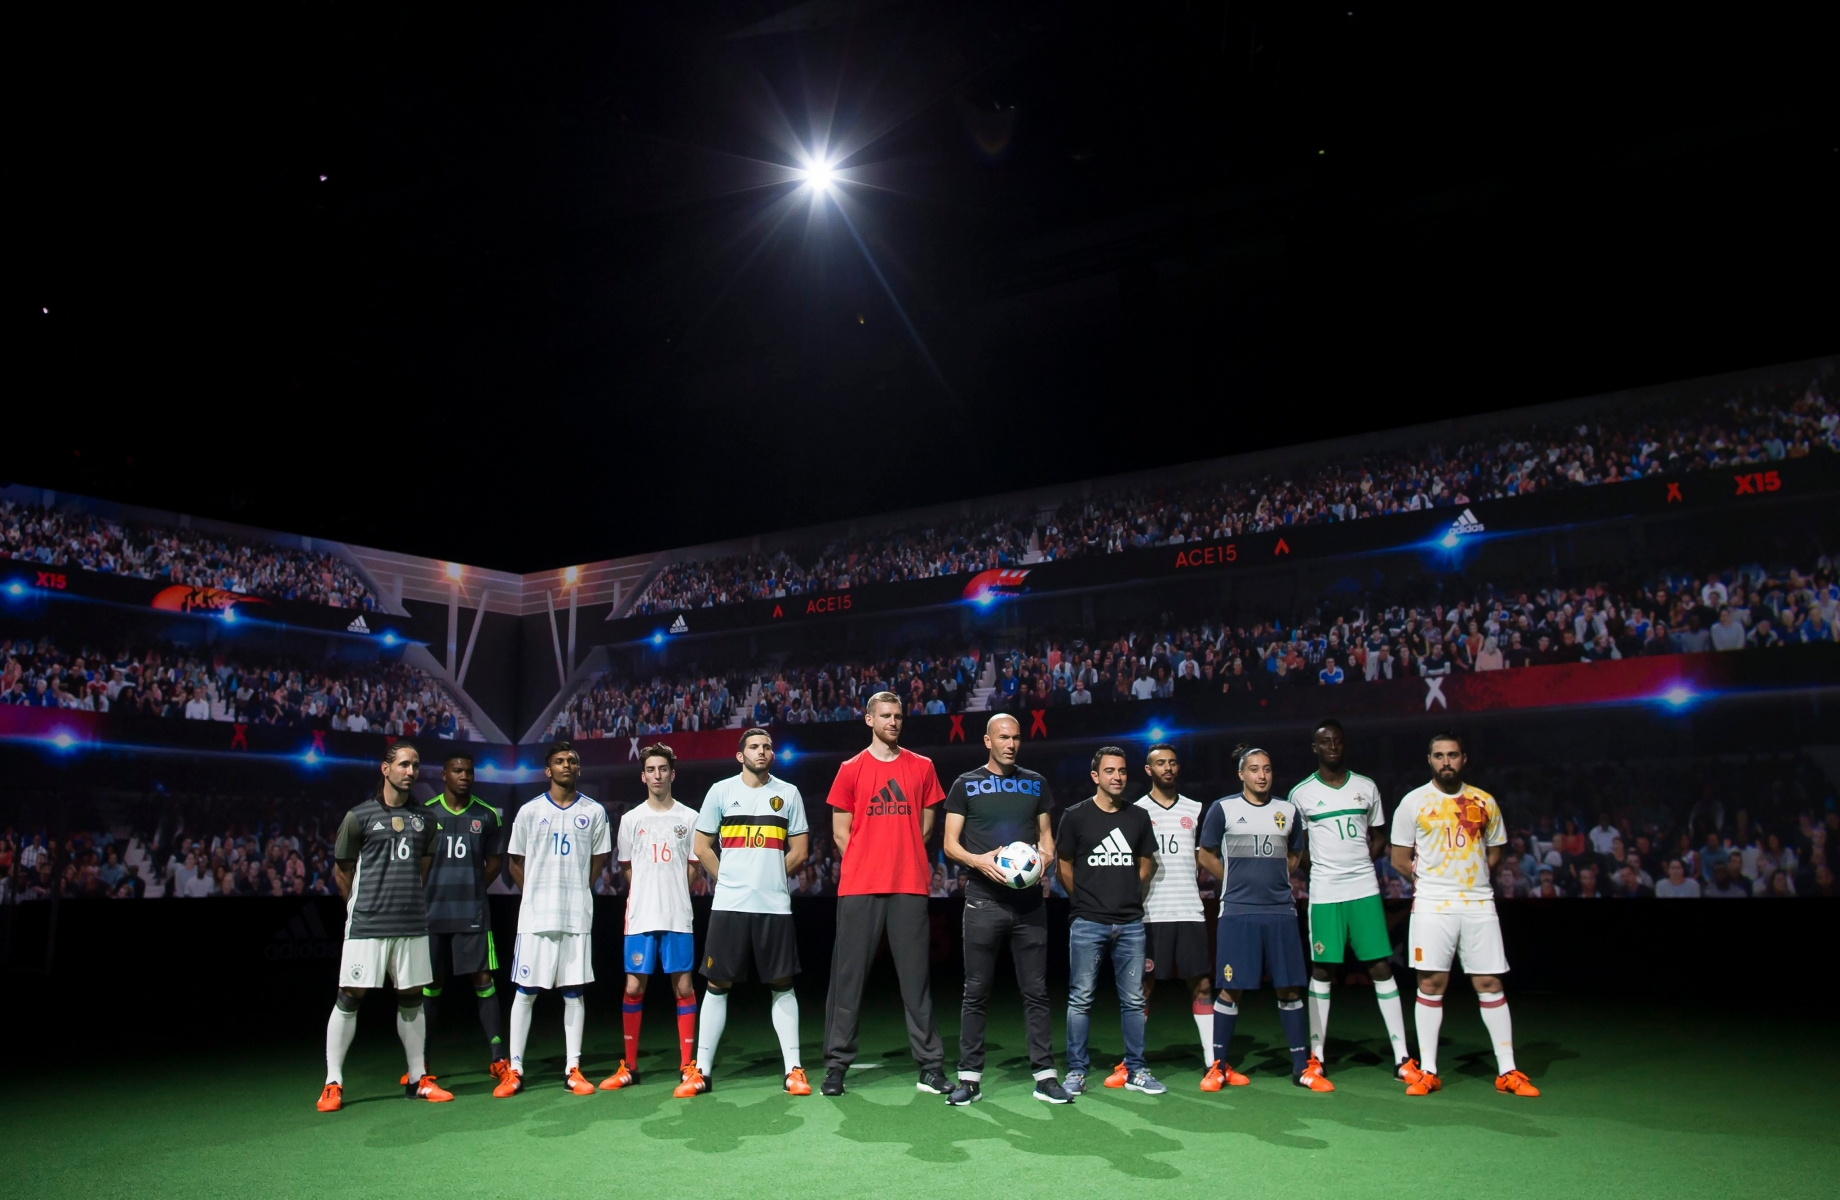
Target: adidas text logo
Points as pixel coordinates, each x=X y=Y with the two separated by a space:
x=358 y=625
x=680 y=625
x=1463 y=526
x=1114 y=851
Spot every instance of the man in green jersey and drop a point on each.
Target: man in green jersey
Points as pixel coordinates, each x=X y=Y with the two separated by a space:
x=468 y=851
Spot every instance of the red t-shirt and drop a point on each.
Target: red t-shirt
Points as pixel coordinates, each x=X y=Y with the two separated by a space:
x=884 y=799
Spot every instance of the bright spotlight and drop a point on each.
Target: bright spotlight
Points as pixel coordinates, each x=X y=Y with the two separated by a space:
x=454 y=571
x=1156 y=733
x=63 y=740
x=571 y=576
x=1450 y=540
x=818 y=176
x=1678 y=696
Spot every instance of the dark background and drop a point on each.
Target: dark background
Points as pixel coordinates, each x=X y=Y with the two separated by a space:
x=534 y=313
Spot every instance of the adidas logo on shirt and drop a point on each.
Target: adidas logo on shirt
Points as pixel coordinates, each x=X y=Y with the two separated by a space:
x=358 y=625
x=378 y=825
x=1114 y=851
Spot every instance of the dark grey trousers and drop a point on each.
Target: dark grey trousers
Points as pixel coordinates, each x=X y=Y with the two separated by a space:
x=988 y=925
x=860 y=922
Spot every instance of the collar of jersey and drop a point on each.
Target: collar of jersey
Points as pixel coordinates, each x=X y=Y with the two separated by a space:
x=441 y=798
x=1334 y=787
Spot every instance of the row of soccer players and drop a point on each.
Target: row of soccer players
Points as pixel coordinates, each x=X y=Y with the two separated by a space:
x=415 y=878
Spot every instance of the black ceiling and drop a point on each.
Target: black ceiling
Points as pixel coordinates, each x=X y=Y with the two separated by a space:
x=548 y=305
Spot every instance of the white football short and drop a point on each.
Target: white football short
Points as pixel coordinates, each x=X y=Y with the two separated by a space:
x=368 y=962
x=552 y=960
x=1474 y=937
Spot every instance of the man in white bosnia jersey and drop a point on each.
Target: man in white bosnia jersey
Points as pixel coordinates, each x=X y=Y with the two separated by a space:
x=751 y=834
x=1347 y=829
x=1175 y=928
x=656 y=857
x=1455 y=830
x=560 y=841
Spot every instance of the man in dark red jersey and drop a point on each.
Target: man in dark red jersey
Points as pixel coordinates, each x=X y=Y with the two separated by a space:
x=882 y=806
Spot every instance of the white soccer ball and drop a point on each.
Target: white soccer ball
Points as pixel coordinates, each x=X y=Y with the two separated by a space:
x=1020 y=865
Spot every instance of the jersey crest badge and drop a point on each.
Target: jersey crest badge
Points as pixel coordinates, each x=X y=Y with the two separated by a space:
x=415 y=823
x=1472 y=814
x=478 y=825
x=677 y=831
x=1188 y=822
x=777 y=803
x=1226 y=973
x=396 y=824
x=1277 y=819
x=581 y=820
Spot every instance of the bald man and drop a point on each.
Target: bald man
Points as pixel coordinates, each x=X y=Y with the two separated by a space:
x=987 y=809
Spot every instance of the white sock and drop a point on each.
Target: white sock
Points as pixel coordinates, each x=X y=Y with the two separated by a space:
x=413 y=1030
x=574 y=1017
x=1428 y=1015
x=1500 y=1027
x=1386 y=994
x=1204 y=1025
x=339 y=1031
x=709 y=1026
x=786 y=1024
x=520 y=1027
x=1319 y=1017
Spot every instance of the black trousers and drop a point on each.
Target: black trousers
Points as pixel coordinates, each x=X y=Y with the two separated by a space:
x=860 y=922
x=988 y=925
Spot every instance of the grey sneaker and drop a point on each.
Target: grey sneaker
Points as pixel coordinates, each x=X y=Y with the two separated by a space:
x=1075 y=1083
x=1049 y=1092
x=933 y=1080
x=967 y=1092
x=1143 y=1081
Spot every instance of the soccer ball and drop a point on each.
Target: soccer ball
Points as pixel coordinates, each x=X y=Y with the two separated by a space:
x=1020 y=865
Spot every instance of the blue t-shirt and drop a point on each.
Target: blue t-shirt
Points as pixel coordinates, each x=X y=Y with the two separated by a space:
x=1254 y=842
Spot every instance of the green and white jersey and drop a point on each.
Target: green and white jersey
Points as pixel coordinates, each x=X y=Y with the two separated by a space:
x=1338 y=821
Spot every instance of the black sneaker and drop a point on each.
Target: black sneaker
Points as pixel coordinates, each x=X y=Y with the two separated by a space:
x=1049 y=1091
x=833 y=1082
x=968 y=1091
x=933 y=1080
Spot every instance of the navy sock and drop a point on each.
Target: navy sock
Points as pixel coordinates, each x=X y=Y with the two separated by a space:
x=1296 y=1032
x=1226 y=1012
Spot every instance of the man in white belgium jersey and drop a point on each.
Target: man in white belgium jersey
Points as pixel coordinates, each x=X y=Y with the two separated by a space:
x=1175 y=926
x=1347 y=829
x=655 y=845
x=560 y=842
x=1447 y=838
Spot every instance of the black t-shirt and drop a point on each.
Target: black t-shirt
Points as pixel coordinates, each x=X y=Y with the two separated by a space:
x=998 y=810
x=1103 y=849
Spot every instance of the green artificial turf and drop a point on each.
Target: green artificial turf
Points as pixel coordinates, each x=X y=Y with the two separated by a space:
x=1680 y=1103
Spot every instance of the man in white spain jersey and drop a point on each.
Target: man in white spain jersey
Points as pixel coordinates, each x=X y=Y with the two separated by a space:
x=560 y=842
x=750 y=835
x=1175 y=927
x=1347 y=829
x=655 y=847
x=1447 y=838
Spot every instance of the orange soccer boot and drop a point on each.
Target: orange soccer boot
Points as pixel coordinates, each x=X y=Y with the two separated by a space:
x=1117 y=1077
x=1424 y=1085
x=427 y=1089
x=1407 y=1071
x=499 y=1069
x=1312 y=1076
x=621 y=1077
x=509 y=1084
x=1220 y=1075
x=693 y=1084
x=1516 y=1083
x=578 y=1083
x=331 y=1097
x=796 y=1083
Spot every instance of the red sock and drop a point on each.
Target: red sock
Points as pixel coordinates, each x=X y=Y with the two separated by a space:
x=630 y=1012
x=686 y=1030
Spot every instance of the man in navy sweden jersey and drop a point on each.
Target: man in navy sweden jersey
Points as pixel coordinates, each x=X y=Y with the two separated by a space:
x=987 y=809
x=1107 y=856
x=468 y=852
x=1250 y=841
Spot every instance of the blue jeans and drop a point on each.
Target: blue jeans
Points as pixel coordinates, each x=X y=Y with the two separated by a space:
x=1087 y=943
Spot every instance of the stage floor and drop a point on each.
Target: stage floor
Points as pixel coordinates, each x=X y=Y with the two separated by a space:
x=1677 y=1102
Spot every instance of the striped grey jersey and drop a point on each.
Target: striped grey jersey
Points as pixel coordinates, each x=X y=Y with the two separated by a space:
x=388 y=845
x=457 y=880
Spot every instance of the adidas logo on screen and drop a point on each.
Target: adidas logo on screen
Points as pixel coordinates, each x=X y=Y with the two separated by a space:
x=358 y=625
x=1114 y=851
x=680 y=625
x=1467 y=523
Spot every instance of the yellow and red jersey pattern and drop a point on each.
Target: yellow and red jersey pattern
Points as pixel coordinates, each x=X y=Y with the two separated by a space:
x=1451 y=835
x=754 y=833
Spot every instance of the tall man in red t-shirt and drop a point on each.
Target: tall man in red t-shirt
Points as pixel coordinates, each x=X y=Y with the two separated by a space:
x=882 y=807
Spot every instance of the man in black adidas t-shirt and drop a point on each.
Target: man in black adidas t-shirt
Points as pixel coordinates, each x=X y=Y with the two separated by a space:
x=1108 y=855
x=987 y=809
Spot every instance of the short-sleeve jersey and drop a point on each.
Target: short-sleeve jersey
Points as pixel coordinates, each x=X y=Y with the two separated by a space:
x=1254 y=842
x=885 y=854
x=658 y=846
x=998 y=810
x=559 y=845
x=1338 y=820
x=457 y=878
x=1451 y=835
x=752 y=827
x=1175 y=892
x=388 y=845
